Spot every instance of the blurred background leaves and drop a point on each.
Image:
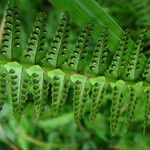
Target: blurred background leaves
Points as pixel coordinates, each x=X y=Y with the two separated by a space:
x=61 y=133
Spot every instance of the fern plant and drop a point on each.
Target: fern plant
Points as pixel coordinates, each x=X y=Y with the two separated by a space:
x=49 y=74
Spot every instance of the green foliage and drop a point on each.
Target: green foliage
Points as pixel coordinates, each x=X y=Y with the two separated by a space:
x=97 y=14
x=52 y=76
x=99 y=91
x=142 y=14
x=18 y=81
x=40 y=84
x=120 y=59
x=137 y=62
x=146 y=74
x=3 y=88
x=80 y=96
x=119 y=97
x=56 y=55
x=147 y=108
x=135 y=92
x=136 y=16
x=77 y=58
x=10 y=44
x=99 y=118
x=99 y=62
x=59 y=90
x=36 y=47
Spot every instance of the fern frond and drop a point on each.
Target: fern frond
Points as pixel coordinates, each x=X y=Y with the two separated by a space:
x=78 y=55
x=118 y=98
x=56 y=74
x=18 y=84
x=147 y=108
x=120 y=59
x=99 y=60
x=137 y=62
x=81 y=88
x=36 y=48
x=99 y=88
x=10 y=43
x=40 y=86
x=146 y=74
x=57 y=52
x=59 y=92
x=135 y=92
x=3 y=86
